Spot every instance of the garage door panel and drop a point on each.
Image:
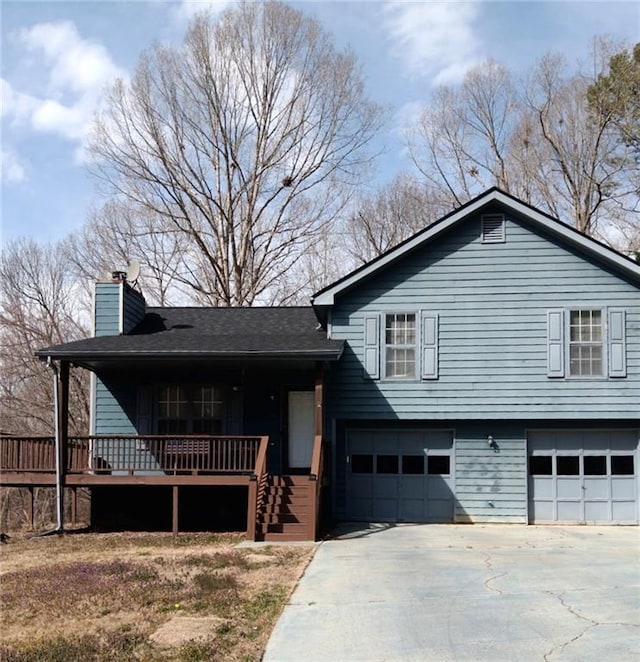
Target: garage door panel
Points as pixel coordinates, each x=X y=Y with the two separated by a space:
x=384 y=486
x=385 y=443
x=439 y=441
x=359 y=443
x=596 y=511
x=412 y=510
x=624 y=511
x=399 y=483
x=386 y=510
x=569 y=488
x=410 y=441
x=569 y=511
x=361 y=509
x=624 y=443
x=542 y=511
x=438 y=488
x=439 y=510
x=412 y=487
x=586 y=476
x=569 y=440
x=543 y=488
x=596 y=488
x=623 y=488
x=542 y=441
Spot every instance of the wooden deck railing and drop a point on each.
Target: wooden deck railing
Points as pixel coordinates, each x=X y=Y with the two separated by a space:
x=106 y=454
x=34 y=454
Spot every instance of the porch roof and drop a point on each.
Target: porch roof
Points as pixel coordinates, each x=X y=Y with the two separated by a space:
x=208 y=333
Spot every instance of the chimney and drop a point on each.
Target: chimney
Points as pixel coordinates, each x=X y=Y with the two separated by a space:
x=118 y=308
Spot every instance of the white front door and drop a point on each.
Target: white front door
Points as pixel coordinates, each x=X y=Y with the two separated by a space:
x=301 y=428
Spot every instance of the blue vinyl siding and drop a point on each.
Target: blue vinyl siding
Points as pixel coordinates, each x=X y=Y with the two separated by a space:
x=107 y=309
x=134 y=309
x=115 y=415
x=491 y=486
x=492 y=301
x=108 y=299
x=115 y=406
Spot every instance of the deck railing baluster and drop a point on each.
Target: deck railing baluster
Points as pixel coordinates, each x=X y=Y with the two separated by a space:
x=197 y=454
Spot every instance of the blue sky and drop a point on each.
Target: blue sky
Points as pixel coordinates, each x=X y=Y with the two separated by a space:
x=57 y=57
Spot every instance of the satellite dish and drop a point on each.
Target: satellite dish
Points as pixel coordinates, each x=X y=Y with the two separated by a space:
x=133 y=271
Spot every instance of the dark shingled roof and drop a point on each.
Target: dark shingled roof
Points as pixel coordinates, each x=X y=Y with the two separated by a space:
x=180 y=333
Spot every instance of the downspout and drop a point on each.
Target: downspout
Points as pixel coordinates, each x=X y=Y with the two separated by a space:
x=56 y=413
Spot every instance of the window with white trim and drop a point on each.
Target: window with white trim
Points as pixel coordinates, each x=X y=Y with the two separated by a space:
x=586 y=343
x=586 y=340
x=400 y=346
x=189 y=409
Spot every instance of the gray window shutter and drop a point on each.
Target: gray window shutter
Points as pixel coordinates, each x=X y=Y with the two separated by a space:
x=617 y=341
x=145 y=409
x=555 y=343
x=372 y=347
x=429 y=368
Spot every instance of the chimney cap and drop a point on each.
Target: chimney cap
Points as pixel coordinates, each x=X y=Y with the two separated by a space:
x=119 y=275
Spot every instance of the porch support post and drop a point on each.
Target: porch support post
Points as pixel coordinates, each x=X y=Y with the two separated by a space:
x=174 y=516
x=63 y=430
x=30 y=508
x=252 y=509
x=319 y=399
x=74 y=506
x=64 y=412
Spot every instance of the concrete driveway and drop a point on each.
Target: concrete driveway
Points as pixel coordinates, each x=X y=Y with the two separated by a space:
x=480 y=592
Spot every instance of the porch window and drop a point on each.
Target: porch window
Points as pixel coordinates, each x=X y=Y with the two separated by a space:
x=190 y=410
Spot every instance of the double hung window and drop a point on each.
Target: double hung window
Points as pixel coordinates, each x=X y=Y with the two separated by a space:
x=400 y=346
x=190 y=410
x=585 y=343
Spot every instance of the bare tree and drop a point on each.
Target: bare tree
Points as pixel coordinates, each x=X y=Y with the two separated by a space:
x=245 y=143
x=392 y=214
x=540 y=141
x=461 y=143
x=576 y=175
x=116 y=234
x=39 y=308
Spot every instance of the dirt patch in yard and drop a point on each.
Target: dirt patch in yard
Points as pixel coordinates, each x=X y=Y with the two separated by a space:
x=142 y=596
x=180 y=630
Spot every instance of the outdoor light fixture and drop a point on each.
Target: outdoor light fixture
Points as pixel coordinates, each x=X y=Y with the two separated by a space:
x=491 y=442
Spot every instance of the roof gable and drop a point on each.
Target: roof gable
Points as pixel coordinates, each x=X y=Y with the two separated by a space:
x=570 y=236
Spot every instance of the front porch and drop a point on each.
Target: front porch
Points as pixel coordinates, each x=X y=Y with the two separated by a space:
x=278 y=507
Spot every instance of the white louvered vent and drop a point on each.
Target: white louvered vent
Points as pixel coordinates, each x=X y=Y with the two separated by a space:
x=493 y=229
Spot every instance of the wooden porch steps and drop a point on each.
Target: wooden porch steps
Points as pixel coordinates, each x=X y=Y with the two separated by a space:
x=286 y=513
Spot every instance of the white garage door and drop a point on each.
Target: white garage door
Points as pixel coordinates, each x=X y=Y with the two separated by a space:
x=400 y=476
x=583 y=476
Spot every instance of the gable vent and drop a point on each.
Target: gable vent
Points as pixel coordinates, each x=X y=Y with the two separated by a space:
x=493 y=228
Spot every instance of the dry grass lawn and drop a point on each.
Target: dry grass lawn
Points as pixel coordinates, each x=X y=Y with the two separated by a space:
x=126 y=596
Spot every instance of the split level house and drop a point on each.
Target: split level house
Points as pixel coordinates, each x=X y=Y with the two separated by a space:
x=487 y=369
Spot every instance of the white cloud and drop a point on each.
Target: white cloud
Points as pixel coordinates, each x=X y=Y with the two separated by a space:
x=187 y=9
x=14 y=170
x=433 y=39
x=77 y=64
x=15 y=105
x=77 y=71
